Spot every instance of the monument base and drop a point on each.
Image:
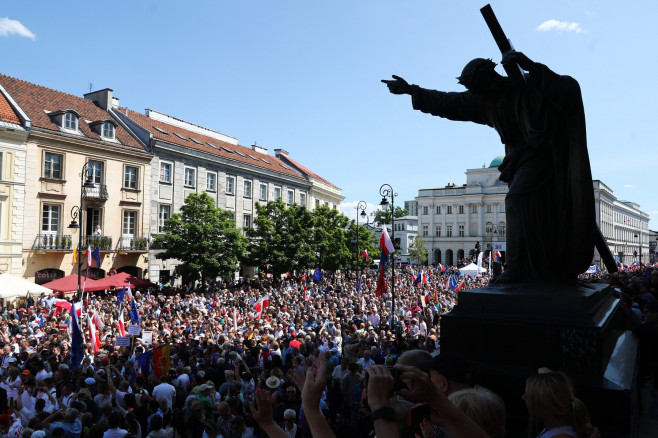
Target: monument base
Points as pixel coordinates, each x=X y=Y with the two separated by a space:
x=508 y=331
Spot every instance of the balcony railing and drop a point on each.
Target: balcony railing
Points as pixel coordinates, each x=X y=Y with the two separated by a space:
x=99 y=192
x=94 y=241
x=54 y=242
x=133 y=244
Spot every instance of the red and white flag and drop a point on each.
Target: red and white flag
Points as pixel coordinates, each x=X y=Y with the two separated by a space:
x=365 y=253
x=122 y=327
x=261 y=304
x=235 y=320
x=64 y=304
x=96 y=319
x=385 y=243
x=93 y=336
x=88 y=254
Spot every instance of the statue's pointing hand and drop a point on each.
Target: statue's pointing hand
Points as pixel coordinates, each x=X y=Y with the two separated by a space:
x=398 y=85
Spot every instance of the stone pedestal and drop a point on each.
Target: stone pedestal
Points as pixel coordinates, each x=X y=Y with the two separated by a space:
x=509 y=331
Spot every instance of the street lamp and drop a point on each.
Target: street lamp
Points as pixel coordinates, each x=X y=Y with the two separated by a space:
x=639 y=250
x=76 y=212
x=362 y=207
x=387 y=191
x=493 y=234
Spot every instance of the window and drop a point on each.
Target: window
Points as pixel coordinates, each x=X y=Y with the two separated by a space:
x=317 y=203
x=448 y=230
x=71 y=121
x=163 y=215
x=488 y=228
x=247 y=188
x=246 y=221
x=501 y=230
x=425 y=230
x=165 y=172
x=277 y=193
x=1 y=157
x=50 y=219
x=263 y=192
x=190 y=177
x=93 y=219
x=438 y=209
x=449 y=209
x=52 y=166
x=426 y=210
x=129 y=223
x=130 y=177
x=95 y=169
x=211 y=181
x=501 y=207
x=461 y=209
x=461 y=231
x=230 y=185
x=488 y=208
x=302 y=199
x=437 y=231
x=108 y=130
x=291 y=197
x=474 y=208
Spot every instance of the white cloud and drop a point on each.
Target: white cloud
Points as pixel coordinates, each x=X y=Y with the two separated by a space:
x=11 y=27
x=630 y=186
x=560 y=26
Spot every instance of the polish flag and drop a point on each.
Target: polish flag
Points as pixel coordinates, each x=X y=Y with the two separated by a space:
x=461 y=286
x=96 y=319
x=261 y=304
x=93 y=336
x=235 y=320
x=63 y=304
x=365 y=253
x=122 y=327
x=385 y=243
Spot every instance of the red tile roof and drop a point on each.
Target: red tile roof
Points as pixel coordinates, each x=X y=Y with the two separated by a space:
x=36 y=99
x=7 y=113
x=306 y=171
x=272 y=163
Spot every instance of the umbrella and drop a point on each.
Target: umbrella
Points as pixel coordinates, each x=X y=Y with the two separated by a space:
x=70 y=284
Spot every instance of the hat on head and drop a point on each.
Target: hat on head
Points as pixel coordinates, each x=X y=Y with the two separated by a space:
x=453 y=366
x=89 y=381
x=12 y=360
x=5 y=419
x=273 y=382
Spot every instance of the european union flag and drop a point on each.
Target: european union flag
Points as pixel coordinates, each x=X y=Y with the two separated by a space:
x=96 y=255
x=453 y=282
x=317 y=275
x=121 y=295
x=76 y=340
x=358 y=285
x=134 y=313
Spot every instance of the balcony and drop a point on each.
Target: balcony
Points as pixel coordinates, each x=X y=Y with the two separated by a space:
x=104 y=243
x=136 y=244
x=98 y=193
x=53 y=242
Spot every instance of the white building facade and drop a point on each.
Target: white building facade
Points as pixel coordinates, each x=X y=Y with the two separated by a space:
x=453 y=219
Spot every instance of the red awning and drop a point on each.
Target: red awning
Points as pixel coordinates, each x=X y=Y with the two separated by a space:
x=70 y=284
x=123 y=279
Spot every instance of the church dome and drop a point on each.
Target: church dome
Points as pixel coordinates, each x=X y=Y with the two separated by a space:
x=497 y=161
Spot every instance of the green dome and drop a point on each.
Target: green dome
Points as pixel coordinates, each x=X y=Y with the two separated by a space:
x=497 y=161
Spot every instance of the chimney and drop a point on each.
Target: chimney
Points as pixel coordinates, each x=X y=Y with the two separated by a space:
x=102 y=98
x=278 y=152
x=259 y=149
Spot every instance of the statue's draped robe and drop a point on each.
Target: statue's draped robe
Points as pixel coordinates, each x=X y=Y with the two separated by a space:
x=550 y=204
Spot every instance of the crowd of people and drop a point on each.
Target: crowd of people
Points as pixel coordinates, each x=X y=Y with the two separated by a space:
x=289 y=358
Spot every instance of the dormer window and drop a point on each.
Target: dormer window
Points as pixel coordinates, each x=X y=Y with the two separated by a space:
x=70 y=121
x=108 y=131
x=67 y=120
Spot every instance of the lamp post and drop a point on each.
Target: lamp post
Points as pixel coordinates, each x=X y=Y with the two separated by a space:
x=77 y=212
x=493 y=234
x=361 y=206
x=387 y=191
x=639 y=250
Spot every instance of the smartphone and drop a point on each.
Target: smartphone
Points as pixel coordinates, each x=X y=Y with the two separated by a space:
x=416 y=416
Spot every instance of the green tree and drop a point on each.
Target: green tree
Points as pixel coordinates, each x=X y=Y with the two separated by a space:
x=384 y=216
x=204 y=238
x=418 y=251
x=280 y=240
x=330 y=238
x=367 y=240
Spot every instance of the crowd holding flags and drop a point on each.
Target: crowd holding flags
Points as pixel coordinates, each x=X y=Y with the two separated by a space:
x=387 y=248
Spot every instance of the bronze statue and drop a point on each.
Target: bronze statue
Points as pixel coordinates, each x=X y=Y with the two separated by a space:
x=550 y=204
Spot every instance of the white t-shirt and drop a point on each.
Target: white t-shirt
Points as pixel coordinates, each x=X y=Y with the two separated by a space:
x=115 y=433
x=166 y=391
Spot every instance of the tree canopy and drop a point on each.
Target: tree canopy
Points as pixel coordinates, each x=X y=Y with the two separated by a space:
x=204 y=238
x=418 y=251
x=384 y=216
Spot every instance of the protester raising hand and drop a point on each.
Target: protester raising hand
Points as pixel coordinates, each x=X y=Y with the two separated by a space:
x=314 y=384
x=262 y=413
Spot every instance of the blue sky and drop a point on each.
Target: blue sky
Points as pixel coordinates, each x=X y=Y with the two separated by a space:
x=305 y=76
